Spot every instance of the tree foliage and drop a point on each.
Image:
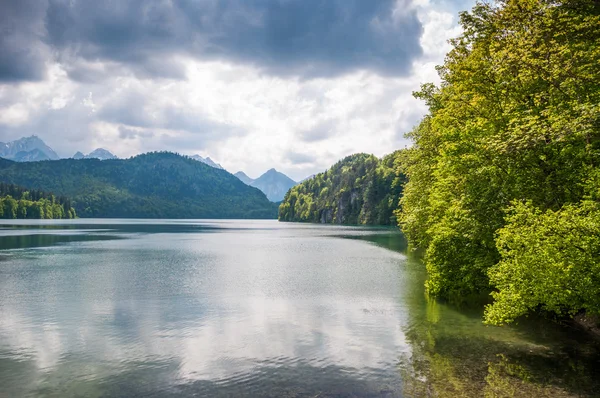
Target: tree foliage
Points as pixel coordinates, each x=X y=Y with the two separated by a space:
x=19 y=202
x=550 y=260
x=359 y=189
x=152 y=185
x=516 y=120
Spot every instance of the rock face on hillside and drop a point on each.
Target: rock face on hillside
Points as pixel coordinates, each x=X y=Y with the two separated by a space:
x=27 y=149
x=359 y=189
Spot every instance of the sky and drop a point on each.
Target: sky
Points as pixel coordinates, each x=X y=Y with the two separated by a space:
x=294 y=85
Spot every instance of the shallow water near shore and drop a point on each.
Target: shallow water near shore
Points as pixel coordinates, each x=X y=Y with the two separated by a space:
x=255 y=308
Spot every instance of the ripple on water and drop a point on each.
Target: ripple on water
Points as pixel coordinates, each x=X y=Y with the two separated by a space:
x=254 y=309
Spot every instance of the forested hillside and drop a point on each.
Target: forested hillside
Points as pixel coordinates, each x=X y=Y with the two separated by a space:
x=18 y=202
x=504 y=176
x=359 y=189
x=153 y=185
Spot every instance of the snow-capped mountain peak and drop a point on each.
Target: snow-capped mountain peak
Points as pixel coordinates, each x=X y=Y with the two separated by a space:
x=207 y=161
x=27 y=149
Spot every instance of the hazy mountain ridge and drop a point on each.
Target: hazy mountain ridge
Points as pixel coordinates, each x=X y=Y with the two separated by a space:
x=27 y=149
x=273 y=183
x=244 y=177
x=98 y=153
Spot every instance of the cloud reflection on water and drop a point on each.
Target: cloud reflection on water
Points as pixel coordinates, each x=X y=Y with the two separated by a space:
x=201 y=307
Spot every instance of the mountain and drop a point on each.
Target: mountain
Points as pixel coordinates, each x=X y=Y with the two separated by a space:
x=207 y=161
x=244 y=178
x=98 y=153
x=359 y=189
x=274 y=184
x=27 y=149
x=152 y=185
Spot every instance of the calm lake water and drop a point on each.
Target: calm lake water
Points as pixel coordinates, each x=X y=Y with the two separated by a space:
x=254 y=308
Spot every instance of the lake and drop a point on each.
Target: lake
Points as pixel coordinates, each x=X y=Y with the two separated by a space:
x=213 y=308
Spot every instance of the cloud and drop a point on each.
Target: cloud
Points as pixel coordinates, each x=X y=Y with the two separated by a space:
x=141 y=111
x=316 y=38
x=22 y=52
x=270 y=321
x=319 y=132
x=254 y=84
x=127 y=133
x=306 y=38
x=299 y=158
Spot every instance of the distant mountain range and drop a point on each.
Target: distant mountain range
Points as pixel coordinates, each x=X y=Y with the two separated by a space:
x=152 y=185
x=33 y=149
x=27 y=149
x=99 y=153
x=273 y=183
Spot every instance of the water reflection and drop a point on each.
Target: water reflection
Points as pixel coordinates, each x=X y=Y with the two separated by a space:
x=255 y=309
x=454 y=354
x=43 y=240
x=247 y=311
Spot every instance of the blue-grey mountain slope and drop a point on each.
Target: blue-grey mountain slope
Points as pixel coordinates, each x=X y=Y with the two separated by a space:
x=273 y=183
x=98 y=153
x=27 y=149
x=244 y=177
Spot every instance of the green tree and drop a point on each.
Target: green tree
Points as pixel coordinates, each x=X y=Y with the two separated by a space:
x=515 y=119
x=550 y=260
x=33 y=204
x=10 y=207
x=22 y=208
x=152 y=185
x=359 y=189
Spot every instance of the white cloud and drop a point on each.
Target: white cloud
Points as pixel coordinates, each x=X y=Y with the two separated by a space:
x=14 y=115
x=238 y=114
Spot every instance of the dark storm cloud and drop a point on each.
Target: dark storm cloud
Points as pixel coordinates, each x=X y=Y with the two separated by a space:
x=22 y=53
x=315 y=37
x=306 y=38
